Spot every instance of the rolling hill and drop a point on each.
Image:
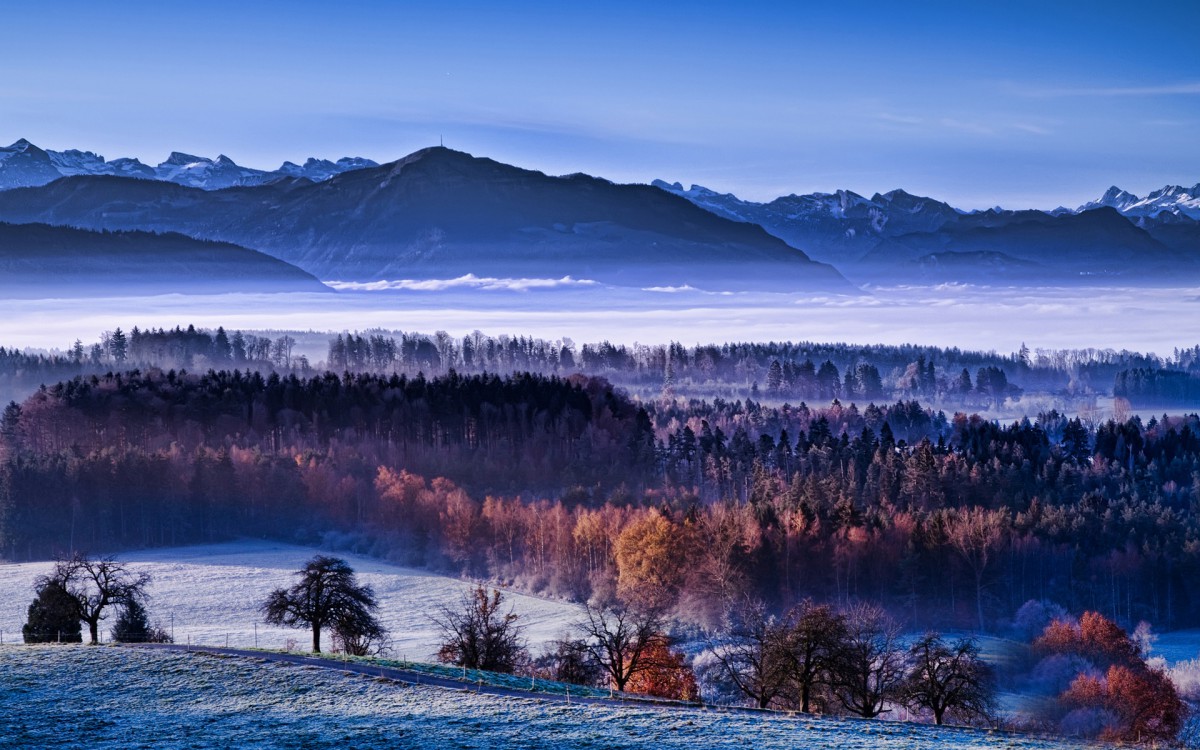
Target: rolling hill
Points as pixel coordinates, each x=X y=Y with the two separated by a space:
x=37 y=260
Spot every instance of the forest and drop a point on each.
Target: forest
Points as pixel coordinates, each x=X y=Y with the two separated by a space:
x=775 y=372
x=570 y=487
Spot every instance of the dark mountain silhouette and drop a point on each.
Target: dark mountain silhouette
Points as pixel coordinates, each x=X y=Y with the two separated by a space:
x=37 y=260
x=901 y=238
x=440 y=213
x=1088 y=247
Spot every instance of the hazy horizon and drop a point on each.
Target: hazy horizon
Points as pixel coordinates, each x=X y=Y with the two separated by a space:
x=997 y=319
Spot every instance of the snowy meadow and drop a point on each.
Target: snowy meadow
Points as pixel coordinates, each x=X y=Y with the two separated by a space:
x=210 y=595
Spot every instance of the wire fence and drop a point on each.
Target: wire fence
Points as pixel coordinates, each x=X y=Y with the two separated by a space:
x=252 y=636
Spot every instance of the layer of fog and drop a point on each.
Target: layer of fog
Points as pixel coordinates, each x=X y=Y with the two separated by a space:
x=985 y=318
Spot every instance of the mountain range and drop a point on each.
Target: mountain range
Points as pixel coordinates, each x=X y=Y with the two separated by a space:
x=897 y=237
x=439 y=213
x=25 y=165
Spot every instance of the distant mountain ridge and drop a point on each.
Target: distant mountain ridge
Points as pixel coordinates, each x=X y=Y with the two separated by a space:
x=1172 y=199
x=25 y=165
x=439 y=213
x=897 y=237
x=37 y=260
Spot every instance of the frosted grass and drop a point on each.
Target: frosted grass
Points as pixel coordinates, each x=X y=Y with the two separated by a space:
x=107 y=697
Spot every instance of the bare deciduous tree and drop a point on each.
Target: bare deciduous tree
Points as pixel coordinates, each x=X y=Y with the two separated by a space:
x=868 y=668
x=976 y=534
x=95 y=584
x=755 y=656
x=617 y=637
x=815 y=634
x=948 y=678
x=328 y=594
x=479 y=635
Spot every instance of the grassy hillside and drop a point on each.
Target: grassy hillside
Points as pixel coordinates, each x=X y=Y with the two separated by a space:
x=103 y=697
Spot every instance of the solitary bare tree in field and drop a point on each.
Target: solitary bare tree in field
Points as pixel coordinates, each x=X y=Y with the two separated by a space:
x=327 y=595
x=480 y=634
x=95 y=584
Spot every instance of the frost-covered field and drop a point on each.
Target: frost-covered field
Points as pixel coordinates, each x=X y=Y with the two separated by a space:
x=213 y=592
x=1177 y=646
x=107 y=698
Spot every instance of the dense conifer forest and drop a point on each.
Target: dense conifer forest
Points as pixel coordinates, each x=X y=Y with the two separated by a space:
x=571 y=487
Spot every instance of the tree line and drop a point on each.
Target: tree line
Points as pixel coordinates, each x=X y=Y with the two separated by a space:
x=778 y=371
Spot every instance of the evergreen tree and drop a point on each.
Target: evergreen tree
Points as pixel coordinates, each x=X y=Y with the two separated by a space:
x=132 y=626
x=238 y=347
x=118 y=346
x=774 y=377
x=222 y=350
x=962 y=384
x=53 y=617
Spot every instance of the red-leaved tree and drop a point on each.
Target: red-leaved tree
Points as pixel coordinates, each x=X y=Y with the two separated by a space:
x=666 y=675
x=1136 y=703
x=1143 y=702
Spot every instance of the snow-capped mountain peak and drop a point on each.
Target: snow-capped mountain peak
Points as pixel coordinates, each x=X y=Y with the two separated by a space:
x=722 y=204
x=319 y=170
x=20 y=145
x=348 y=163
x=23 y=164
x=73 y=162
x=1172 y=199
x=180 y=159
x=1114 y=197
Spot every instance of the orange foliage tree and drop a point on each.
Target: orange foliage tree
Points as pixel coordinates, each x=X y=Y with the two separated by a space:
x=1095 y=638
x=1144 y=702
x=666 y=674
x=1141 y=701
x=649 y=569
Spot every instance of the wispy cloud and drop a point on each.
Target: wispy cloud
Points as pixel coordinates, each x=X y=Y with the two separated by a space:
x=960 y=125
x=1172 y=89
x=1031 y=128
x=470 y=281
x=966 y=126
x=900 y=119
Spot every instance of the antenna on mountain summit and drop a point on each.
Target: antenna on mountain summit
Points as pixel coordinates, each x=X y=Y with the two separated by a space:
x=441 y=142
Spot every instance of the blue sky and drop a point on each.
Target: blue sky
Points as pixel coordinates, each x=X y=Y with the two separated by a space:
x=978 y=104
